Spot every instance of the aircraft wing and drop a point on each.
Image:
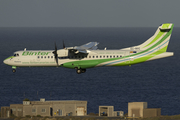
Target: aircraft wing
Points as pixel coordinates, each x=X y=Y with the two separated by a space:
x=86 y=48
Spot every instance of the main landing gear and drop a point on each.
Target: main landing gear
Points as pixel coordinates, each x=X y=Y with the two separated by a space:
x=79 y=71
x=13 y=70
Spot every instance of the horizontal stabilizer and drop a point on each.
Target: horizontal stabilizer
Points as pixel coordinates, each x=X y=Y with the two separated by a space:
x=162 y=55
x=165 y=27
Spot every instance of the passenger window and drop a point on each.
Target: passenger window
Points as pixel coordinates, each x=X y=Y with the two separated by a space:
x=120 y=56
x=48 y=56
x=104 y=56
x=93 y=56
x=89 y=56
x=100 y=56
x=107 y=56
x=117 y=56
x=41 y=56
x=114 y=56
x=51 y=56
x=37 y=56
x=44 y=56
x=110 y=56
x=96 y=56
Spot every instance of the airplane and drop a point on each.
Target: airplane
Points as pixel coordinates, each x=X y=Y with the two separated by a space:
x=88 y=56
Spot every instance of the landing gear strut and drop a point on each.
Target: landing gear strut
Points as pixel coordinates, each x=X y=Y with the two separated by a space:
x=13 y=70
x=83 y=70
x=79 y=71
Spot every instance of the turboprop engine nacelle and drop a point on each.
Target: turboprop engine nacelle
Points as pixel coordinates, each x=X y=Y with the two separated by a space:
x=62 y=53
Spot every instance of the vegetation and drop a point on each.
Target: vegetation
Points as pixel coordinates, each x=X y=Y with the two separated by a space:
x=12 y=116
x=126 y=115
x=28 y=116
x=26 y=99
x=93 y=114
x=39 y=116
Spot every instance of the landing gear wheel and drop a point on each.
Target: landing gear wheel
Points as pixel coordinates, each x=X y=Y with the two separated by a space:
x=79 y=71
x=13 y=70
x=83 y=70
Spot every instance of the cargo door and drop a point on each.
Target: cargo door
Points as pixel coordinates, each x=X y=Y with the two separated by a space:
x=80 y=111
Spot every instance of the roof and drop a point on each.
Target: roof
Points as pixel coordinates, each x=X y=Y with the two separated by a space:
x=62 y=101
x=16 y=104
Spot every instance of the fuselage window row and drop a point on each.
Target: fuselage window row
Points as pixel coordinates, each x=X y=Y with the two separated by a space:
x=106 y=56
x=71 y=57
x=44 y=57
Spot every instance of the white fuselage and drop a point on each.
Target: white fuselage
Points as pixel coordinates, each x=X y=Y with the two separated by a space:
x=46 y=57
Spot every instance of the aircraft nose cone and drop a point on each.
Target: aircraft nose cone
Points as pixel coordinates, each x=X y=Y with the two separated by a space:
x=5 y=61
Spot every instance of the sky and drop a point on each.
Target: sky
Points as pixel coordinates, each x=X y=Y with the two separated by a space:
x=88 y=13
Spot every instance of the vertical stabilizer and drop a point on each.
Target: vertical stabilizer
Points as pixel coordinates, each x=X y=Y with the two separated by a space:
x=160 y=39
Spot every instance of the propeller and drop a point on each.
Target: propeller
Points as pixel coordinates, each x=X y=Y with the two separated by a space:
x=55 y=54
x=63 y=45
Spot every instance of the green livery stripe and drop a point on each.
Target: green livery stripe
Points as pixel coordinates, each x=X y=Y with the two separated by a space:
x=158 y=35
x=142 y=59
x=158 y=43
x=92 y=63
x=156 y=38
x=87 y=63
x=166 y=25
x=9 y=57
x=138 y=56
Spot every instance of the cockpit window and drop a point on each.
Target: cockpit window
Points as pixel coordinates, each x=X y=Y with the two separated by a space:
x=16 y=54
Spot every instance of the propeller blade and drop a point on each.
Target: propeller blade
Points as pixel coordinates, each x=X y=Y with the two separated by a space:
x=55 y=54
x=63 y=45
x=56 y=59
x=55 y=47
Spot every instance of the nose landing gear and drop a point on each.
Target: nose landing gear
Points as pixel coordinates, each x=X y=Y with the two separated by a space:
x=13 y=69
